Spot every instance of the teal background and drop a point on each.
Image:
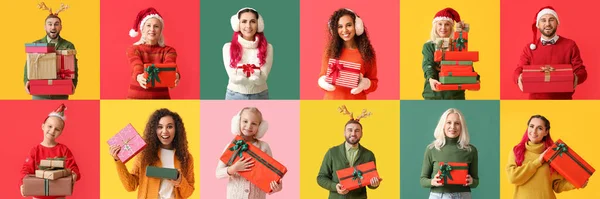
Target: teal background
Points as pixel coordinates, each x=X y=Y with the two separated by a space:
x=282 y=30
x=419 y=119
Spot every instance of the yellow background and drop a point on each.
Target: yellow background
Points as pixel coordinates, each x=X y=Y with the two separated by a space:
x=323 y=127
x=114 y=115
x=484 y=36
x=24 y=23
x=571 y=121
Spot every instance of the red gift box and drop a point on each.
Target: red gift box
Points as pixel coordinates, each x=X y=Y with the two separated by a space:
x=453 y=173
x=65 y=64
x=33 y=186
x=460 y=41
x=568 y=164
x=160 y=75
x=130 y=141
x=343 y=73
x=547 y=78
x=450 y=68
x=359 y=176
x=454 y=87
x=265 y=170
x=248 y=69
x=51 y=87
x=456 y=56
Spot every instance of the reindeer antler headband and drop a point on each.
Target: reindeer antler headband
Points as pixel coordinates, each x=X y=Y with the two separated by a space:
x=364 y=114
x=63 y=7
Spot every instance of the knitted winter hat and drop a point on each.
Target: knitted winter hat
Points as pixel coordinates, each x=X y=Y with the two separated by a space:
x=142 y=17
x=235 y=21
x=447 y=14
x=534 y=27
x=59 y=112
x=342 y=109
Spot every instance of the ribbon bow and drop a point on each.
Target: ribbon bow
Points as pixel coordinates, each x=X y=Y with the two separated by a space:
x=561 y=148
x=152 y=71
x=335 y=68
x=544 y=42
x=357 y=175
x=547 y=69
x=445 y=172
x=460 y=41
x=238 y=148
x=248 y=69
x=63 y=73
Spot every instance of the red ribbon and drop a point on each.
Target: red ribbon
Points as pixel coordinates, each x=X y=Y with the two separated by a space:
x=63 y=73
x=336 y=68
x=248 y=69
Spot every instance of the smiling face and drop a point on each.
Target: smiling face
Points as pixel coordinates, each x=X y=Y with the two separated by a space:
x=353 y=133
x=166 y=131
x=249 y=123
x=53 y=27
x=443 y=28
x=537 y=130
x=52 y=128
x=548 y=24
x=248 y=25
x=345 y=28
x=452 y=127
x=151 y=30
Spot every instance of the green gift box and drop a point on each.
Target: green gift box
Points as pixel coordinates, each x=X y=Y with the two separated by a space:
x=159 y=172
x=458 y=80
x=457 y=63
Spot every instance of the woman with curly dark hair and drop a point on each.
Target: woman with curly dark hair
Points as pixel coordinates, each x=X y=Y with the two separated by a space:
x=167 y=147
x=348 y=48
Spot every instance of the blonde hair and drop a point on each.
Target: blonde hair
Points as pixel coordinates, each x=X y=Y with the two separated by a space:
x=434 y=34
x=161 y=39
x=440 y=136
x=253 y=110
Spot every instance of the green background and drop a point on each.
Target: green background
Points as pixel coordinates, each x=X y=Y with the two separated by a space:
x=419 y=119
x=282 y=30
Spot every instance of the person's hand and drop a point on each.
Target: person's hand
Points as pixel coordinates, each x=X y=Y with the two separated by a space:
x=340 y=189
x=469 y=180
x=243 y=164
x=276 y=187
x=24 y=194
x=177 y=182
x=176 y=79
x=363 y=84
x=520 y=82
x=141 y=80
x=575 y=81
x=436 y=181
x=254 y=77
x=324 y=85
x=375 y=182
x=114 y=150
x=73 y=177
x=542 y=155
x=433 y=84
x=27 y=87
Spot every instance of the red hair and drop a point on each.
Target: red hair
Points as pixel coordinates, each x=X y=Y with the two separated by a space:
x=519 y=149
x=235 y=49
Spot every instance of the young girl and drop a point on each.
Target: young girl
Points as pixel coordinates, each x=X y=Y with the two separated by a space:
x=349 y=41
x=167 y=147
x=451 y=144
x=248 y=57
x=533 y=178
x=150 y=49
x=249 y=124
x=52 y=128
x=442 y=27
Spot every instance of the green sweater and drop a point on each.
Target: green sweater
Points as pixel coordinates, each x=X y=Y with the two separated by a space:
x=61 y=44
x=430 y=70
x=335 y=159
x=449 y=153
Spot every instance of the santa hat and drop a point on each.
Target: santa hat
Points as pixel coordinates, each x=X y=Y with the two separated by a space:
x=59 y=112
x=447 y=14
x=142 y=17
x=543 y=11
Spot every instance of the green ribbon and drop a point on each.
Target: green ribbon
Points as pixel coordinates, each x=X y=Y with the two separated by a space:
x=445 y=172
x=460 y=41
x=238 y=148
x=153 y=71
x=561 y=148
x=357 y=175
x=46 y=187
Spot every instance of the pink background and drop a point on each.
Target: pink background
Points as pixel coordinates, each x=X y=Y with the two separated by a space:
x=516 y=19
x=23 y=121
x=182 y=32
x=283 y=137
x=382 y=22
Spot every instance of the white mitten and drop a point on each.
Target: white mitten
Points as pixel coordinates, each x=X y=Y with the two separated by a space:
x=324 y=85
x=239 y=78
x=255 y=77
x=364 y=84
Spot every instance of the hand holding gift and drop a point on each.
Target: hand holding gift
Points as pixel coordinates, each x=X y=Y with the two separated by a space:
x=469 y=180
x=177 y=182
x=114 y=150
x=243 y=164
x=176 y=80
x=340 y=189
x=436 y=181
x=433 y=83
x=141 y=80
x=276 y=187
x=375 y=182
x=325 y=85
x=364 y=84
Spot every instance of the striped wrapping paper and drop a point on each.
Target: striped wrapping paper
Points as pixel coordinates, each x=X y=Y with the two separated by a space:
x=349 y=74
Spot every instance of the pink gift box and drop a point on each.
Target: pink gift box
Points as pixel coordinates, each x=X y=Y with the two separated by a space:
x=51 y=87
x=65 y=64
x=343 y=73
x=130 y=141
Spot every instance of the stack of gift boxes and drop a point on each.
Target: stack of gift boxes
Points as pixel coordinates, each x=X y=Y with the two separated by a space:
x=51 y=179
x=456 y=67
x=50 y=71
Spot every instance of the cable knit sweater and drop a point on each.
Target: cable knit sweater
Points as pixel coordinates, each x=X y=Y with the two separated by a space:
x=238 y=82
x=238 y=187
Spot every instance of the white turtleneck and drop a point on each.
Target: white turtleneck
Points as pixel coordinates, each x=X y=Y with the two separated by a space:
x=238 y=82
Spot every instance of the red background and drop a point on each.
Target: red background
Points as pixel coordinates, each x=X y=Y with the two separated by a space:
x=22 y=128
x=576 y=23
x=382 y=22
x=182 y=32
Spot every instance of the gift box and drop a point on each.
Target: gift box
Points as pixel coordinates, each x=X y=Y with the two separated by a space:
x=456 y=63
x=52 y=163
x=456 y=56
x=160 y=75
x=343 y=73
x=568 y=164
x=39 y=48
x=458 y=77
x=65 y=64
x=453 y=173
x=41 y=66
x=265 y=170
x=450 y=68
x=443 y=44
x=33 y=186
x=455 y=87
x=460 y=41
x=130 y=141
x=248 y=69
x=359 y=176
x=159 y=172
x=52 y=174
x=547 y=78
x=51 y=87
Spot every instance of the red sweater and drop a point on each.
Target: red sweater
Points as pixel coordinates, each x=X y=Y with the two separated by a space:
x=139 y=55
x=564 y=51
x=39 y=152
x=343 y=93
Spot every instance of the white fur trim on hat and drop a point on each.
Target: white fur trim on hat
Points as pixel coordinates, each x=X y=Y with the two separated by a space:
x=133 y=33
x=436 y=19
x=544 y=12
x=235 y=21
x=54 y=114
x=235 y=126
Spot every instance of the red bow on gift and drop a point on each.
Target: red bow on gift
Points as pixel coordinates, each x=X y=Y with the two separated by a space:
x=248 y=69
x=335 y=68
x=63 y=73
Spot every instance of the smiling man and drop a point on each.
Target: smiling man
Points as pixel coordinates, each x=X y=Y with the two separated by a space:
x=550 y=49
x=53 y=26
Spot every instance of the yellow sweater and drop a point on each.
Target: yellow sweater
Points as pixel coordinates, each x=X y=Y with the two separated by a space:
x=149 y=187
x=533 y=179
